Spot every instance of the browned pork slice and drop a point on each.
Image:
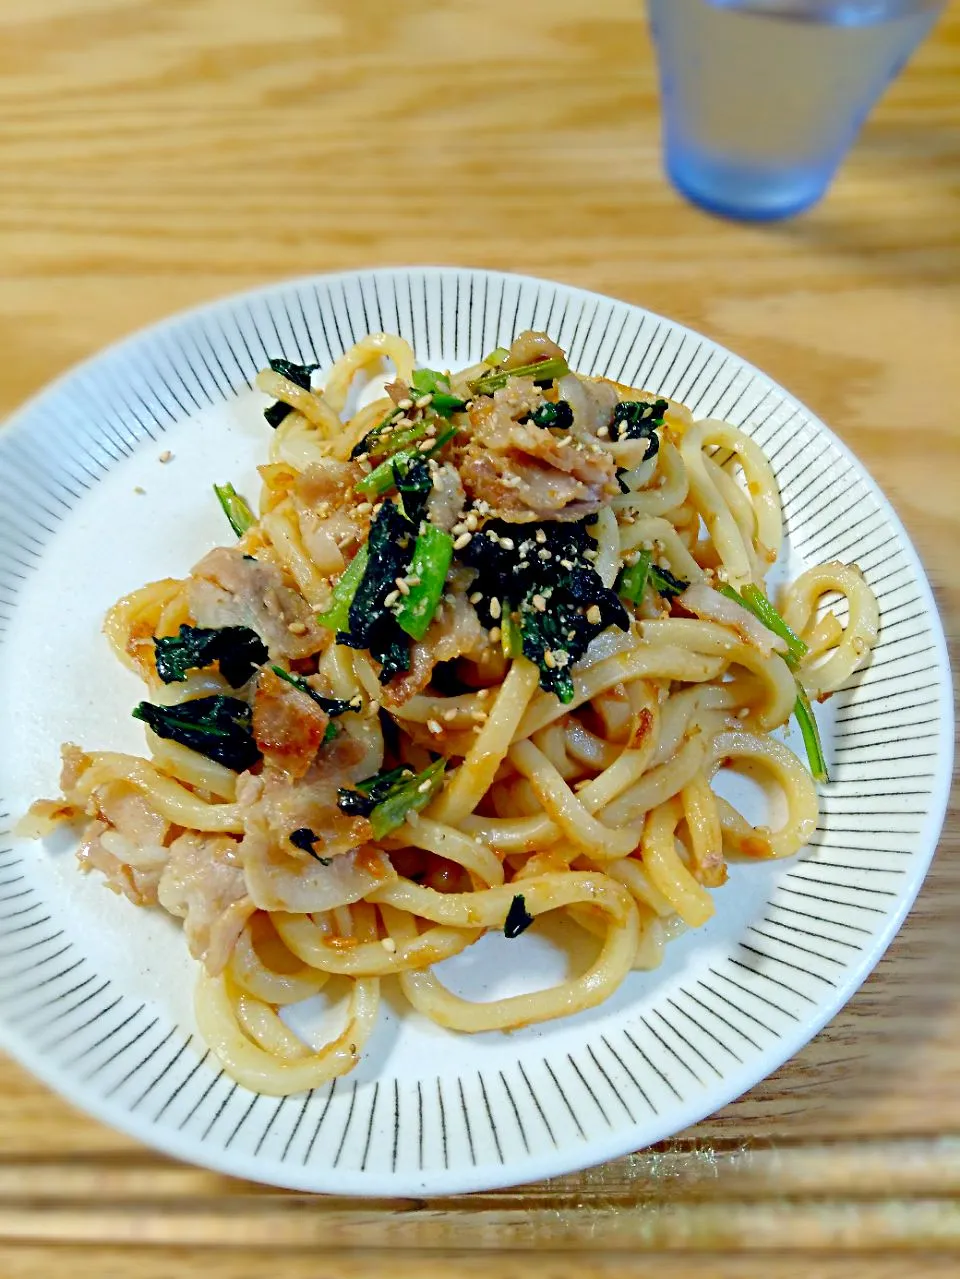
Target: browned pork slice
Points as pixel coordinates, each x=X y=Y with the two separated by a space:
x=326 y=503
x=125 y=841
x=228 y=588
x=284 y=875
x=454 y=632
x=526 y=472
x=203 y=884
x=288 y=725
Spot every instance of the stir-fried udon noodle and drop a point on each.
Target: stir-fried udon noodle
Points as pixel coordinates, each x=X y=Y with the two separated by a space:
x=478 y=658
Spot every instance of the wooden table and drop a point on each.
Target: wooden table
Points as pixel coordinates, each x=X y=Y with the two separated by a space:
x=156 y=153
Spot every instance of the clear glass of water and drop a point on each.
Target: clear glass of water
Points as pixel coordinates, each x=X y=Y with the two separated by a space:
x=762 y=99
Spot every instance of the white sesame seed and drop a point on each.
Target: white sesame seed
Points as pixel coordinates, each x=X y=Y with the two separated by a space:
x=540 y=536
x=566 y=563
x=549 y=658
x=603 y=433
x=390 y=599
x=405 y=403
x=593 y=614
x=590 y=555
x=423 y=401
x=449 y=716
x=561 y=657
x=138 y=488
x=507 y=543
x=472 y=521
x=166 y=456
x=494 y=607
x=495 y=635
x=434 y=727
x=480 y=716
x=424 y=787
x=363 y=509
x=539 y=603
x=425 y=446
x=401 y=585
x=365 y=465
x=389 y=945
x=564 y=442
x=297 y=628
x=463 y=540
x=431 y=430
x=476 y=597
x=355 y=703
x=483 y=694
x=413 y=580
x=544 y=555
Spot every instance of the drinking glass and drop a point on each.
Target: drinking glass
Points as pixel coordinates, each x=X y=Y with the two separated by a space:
x=762 y=99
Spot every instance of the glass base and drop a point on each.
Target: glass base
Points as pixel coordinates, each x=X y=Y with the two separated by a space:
x=746 y=193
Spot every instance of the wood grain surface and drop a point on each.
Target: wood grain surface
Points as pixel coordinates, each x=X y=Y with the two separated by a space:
x=158 y=153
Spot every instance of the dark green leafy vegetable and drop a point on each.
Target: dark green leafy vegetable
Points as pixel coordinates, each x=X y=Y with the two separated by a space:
x=369 y=623
x=633 y=579
x=414 y=483
x=558 y=416
x=235 y=508
x=336 y=616
x=329 y=733
x=221 y=728
x=299 y=374
x=543 y=573
x=624 y=486
x=387 y=797
x=333 y=706
x=432 y=556
x=238 y=649
x=518 y=918
x=543 y=371
x=384 y=477
x=638 y=420
x=665 y=582
x=304 y=839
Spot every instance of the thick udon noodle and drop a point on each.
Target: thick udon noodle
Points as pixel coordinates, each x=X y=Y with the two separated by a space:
x=602 y=809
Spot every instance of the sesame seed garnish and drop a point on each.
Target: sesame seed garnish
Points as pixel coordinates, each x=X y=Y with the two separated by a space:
x=297 y=628
x=356 y=702
x=363 y=509
x=549 y=658
x=138 y=488
x=365 y=465
x=423 y=401
x=425 y=446
x=413 y=580
x=424 y=787
x=449 y=716
x=483 y=694
x=388 y=944
x=566 y=563
x=593 y=614
x=165 y=456
x=603 y=433
x=539 y=603
x=480 y=716
x=463 y=540
x=507 y=543
x=434 y=727
x=472 y=521
x=561 y=657
x=431 y=430
x=544 y=555
x=494 y=607
x=405 y=403
x=390 y=599
x=476 y=597
x=401 y=585
x=540 y=536
x=495 y=635
x=590 y=555
x=564 y=442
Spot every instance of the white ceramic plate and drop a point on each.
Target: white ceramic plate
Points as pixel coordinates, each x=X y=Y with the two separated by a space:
x=95 y=995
